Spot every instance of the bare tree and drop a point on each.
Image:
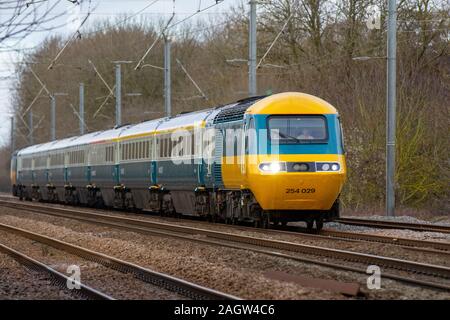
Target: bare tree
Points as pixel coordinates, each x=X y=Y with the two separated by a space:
x=21 y=18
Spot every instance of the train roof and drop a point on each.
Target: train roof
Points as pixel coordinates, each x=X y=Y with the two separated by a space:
x=184 y=120
x=139 y=129
x=291 y=103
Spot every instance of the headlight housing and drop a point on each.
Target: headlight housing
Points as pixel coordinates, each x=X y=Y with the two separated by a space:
x=328 y=166
x=272 y=167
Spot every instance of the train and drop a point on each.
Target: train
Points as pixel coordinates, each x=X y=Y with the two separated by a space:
x=266 y=160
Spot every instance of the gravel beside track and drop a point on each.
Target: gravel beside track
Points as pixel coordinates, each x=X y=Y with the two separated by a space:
x=20 y=283
x=111 y=282
x=236 y=272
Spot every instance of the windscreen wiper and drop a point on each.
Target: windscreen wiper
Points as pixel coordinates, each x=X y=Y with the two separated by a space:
x=286 y=136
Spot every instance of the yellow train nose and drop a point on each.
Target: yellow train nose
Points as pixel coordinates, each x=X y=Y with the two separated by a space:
x=297 y=191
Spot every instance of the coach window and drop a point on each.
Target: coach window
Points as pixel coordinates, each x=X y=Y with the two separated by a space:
x=182 y=141
x=144 y=149
x=139 y=147
x=147 y=149
x=171 y=144
x=192 y=143
x=166 y=146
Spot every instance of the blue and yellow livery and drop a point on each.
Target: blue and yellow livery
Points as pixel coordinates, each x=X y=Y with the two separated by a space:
x=264 y=160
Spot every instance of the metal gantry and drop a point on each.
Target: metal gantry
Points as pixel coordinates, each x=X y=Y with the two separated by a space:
x=53 y=114
x=81 y=110
x=118 y=95
x=252 y=51
x=13 y=134
x=167 y=80
x=118 y=88
x=391 y=107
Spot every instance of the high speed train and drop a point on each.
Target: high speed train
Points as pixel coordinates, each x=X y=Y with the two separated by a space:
x=262 y=160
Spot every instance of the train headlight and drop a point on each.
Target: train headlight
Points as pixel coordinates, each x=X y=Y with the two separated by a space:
x=272 y=167
x=328 y=166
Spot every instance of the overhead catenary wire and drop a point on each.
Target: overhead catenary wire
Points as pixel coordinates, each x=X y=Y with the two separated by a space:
x=161 y=34
x=101 y=77
x=50 y=66
x=203 y=95
x=169 y=26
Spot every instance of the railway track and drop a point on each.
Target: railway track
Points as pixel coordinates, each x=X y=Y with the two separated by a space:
x=167 y=282
x=57 y=278
x=394 y=225
x=438 y=247
x=419 y=245
x=260 y=245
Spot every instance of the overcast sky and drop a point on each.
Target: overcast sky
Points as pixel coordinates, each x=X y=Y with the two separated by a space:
x=104 y=9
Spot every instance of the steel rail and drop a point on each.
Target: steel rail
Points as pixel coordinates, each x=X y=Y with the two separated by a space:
x=420 y=245
x=57 y=278
x=170 y=283
x=394 y=225
x=444 y=246
x=129 y=223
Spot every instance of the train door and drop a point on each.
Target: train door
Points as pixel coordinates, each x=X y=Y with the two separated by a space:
x=247 y=140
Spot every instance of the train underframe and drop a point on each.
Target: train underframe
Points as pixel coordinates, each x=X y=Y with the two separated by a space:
x=228 y=206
